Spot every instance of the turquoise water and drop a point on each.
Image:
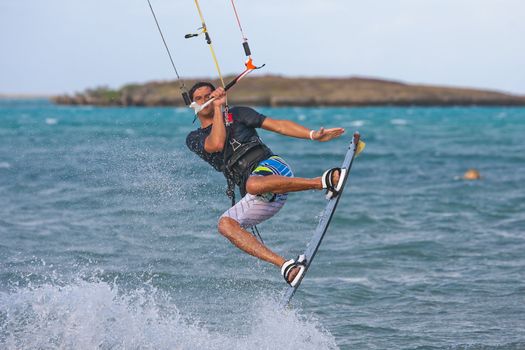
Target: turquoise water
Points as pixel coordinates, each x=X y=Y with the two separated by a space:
x=108 y=234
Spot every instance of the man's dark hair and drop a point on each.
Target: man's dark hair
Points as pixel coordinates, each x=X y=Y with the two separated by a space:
x=198 y=86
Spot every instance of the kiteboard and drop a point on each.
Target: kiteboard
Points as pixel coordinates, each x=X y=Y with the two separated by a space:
x=356 y=146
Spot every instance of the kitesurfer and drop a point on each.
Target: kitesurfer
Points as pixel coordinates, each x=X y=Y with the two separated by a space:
x=228 y=141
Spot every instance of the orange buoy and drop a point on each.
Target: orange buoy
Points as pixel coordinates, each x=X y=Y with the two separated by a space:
x=471 y=174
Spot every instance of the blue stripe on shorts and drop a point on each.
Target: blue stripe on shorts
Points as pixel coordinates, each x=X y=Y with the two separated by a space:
x=274 y=165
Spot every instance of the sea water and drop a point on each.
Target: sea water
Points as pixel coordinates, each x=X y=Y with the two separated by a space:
x=108 y=234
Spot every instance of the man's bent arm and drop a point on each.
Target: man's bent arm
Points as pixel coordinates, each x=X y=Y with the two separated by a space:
x=215 y=140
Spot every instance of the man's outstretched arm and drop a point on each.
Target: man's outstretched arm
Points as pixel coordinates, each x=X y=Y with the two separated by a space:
x=289 y=128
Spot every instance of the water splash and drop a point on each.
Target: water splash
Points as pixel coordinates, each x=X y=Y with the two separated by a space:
x=86 y=315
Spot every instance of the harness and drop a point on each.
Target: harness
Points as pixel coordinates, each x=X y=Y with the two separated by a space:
x=241 y=160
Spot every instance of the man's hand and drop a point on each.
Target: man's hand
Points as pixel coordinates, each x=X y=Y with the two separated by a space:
x=220 y=97
x=323 y=135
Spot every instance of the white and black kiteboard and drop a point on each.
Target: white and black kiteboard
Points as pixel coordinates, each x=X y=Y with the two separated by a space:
x=311 y=249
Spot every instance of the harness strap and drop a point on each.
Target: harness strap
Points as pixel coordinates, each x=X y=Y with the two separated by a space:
x=230 y=191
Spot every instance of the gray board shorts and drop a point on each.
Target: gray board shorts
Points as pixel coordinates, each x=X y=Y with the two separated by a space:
x=252 y=209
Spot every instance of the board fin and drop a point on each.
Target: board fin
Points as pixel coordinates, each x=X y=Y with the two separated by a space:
x=360 y=147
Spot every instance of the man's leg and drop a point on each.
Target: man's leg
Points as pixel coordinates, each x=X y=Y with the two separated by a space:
x=245 y=241
x=230 y=227
x=283 y=184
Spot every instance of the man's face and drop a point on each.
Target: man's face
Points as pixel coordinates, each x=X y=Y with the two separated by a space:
x=201 y=95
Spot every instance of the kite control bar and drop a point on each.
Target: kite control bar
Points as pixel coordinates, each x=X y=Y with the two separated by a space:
x=249 y=68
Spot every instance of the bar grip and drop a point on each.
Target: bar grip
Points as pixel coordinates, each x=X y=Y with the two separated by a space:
x=230 y=84
x=186 y=98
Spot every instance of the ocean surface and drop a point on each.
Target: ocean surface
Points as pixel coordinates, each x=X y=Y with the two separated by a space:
x=108 y=234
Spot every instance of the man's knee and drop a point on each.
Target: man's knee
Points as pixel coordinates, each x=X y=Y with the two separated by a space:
x=252 y=185
x=226 y=225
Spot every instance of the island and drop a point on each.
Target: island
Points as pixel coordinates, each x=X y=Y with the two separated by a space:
x=275 y=91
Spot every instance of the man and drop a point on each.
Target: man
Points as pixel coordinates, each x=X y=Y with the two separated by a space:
x=228 y=141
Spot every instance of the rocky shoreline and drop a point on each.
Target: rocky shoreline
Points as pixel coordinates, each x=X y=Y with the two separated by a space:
x=278 y=91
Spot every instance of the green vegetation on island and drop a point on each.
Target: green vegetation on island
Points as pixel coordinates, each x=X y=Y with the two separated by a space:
x=276 y=91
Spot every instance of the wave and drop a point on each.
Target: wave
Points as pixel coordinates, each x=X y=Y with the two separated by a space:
x=357 y=123
x=399 y=121
x=86 y=315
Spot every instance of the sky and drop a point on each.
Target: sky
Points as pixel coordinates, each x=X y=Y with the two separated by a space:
x=66 y=46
